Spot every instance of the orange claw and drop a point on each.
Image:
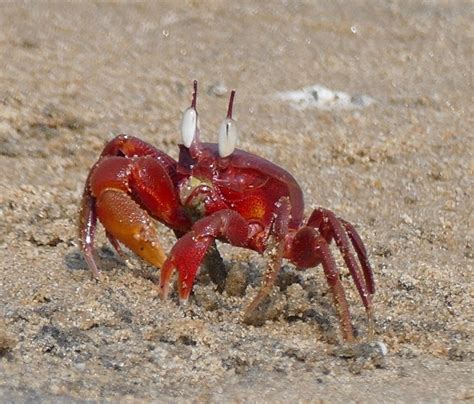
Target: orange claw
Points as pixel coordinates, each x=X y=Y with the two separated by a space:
x=129 y=224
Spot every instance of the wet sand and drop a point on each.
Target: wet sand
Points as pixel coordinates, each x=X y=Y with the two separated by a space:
x=400 y=169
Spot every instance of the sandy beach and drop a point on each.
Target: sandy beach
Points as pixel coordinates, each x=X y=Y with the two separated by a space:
x=367 y=104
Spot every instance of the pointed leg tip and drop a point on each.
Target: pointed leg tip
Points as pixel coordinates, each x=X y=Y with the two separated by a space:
x=184 y=293
x=249 y=311
x=183 y=301
x=97 y=276
x=163 y=290
x=348 y=337
x=370 y=323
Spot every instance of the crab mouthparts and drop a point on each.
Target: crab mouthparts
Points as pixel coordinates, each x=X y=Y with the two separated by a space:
x=191 y=189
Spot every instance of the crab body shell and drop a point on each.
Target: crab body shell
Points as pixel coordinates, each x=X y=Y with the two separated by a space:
x=242 y=182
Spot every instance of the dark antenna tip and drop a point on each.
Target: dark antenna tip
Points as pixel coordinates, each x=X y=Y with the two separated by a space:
x=231 y=104
x=193 y=102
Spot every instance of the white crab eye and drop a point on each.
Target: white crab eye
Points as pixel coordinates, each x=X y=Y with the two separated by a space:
x=228 y=134
x=189 y=126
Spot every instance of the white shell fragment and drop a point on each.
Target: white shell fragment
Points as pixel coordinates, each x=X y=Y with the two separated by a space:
x=228 y=134
x=382 y=347
x=321 y=97
x=189 y=126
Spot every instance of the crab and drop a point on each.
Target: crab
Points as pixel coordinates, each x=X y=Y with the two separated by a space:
x=215 y=192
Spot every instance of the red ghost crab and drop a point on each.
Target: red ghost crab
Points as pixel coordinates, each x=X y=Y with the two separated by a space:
x=215 y=191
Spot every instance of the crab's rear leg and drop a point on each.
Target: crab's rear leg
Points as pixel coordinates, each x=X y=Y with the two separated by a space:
x=345 y=235
x=362 y=255
x=309 y=249
x=188 y=253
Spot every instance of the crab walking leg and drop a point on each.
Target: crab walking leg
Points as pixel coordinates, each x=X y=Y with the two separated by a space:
x=269 y=278
x=330 y=227
x=361 y=253
x=129 y=224
x=339 y=296
x=87 y=228
x=278 y=233
x=188 y=253
x=366 y=268
x=309 y=249
x=115 y=243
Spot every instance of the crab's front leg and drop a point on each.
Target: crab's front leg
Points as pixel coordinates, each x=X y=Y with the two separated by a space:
x=189 y=251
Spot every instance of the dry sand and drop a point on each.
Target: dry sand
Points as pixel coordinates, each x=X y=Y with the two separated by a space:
x=401 y=169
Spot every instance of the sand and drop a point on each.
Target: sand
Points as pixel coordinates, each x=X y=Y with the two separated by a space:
x=400 y=168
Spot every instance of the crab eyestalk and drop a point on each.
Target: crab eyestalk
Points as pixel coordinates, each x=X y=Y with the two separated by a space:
x=190 y=122
x=195 y=87
x=228 y=132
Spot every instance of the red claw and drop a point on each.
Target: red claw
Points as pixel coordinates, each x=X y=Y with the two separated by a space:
x=188 y=253
x=186 y=256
